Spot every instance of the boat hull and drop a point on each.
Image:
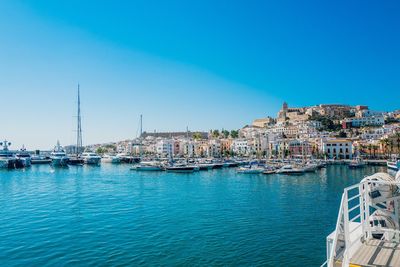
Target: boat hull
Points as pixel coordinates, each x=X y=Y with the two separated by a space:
x=92 y=161
x=59 y=162
x=147 y=168
x=180 y=169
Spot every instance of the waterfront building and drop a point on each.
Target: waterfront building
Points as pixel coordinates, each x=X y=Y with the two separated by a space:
x=165 y=147
x=226 y=145
x=240 y=147
x=300 y=148
x=337 y=148
x=214 y=148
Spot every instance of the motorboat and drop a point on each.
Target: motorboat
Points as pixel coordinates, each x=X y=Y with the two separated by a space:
x=58 y=156
x=148 y=166
x=205 y=166
x=290 y=169
x=110 y=159
x=269 y=170
x=251 y=169
x=91 y=158
x=181 y=168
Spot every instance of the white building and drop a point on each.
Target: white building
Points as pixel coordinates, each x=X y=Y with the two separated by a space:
x=337 y=148
x=165 y=147
x=214 y=148
x=363 y=121
x=240 y=147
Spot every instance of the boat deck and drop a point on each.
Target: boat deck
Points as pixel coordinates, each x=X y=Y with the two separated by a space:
x=377 y=253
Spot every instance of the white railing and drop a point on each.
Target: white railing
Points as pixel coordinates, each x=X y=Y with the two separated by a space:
x=354 y=213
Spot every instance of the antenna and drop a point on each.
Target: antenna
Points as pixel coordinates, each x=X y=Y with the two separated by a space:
x=141 y=125
x=79 y=126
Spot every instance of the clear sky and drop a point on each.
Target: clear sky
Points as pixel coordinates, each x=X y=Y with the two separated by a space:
x=202 y=64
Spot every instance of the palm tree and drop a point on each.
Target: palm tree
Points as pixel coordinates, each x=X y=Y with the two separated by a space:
x=370 y=150
x=398 y=143
x=374 y=148
x=391 y=144
x=384 y=142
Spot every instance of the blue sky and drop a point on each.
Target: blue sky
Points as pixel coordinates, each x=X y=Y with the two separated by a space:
x=202 y=64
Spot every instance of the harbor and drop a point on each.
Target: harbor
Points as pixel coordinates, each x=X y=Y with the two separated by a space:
x=165 y=218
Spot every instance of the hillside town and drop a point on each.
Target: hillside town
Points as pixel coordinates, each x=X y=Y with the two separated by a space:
x=323 y=131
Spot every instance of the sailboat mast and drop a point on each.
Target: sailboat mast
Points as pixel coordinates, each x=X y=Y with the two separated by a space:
x=79 y=126
x=140 y=137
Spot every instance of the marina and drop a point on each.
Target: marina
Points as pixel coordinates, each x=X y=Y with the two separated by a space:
x=164 y=218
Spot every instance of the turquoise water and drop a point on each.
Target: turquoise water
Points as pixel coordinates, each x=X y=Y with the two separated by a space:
x=111 y=216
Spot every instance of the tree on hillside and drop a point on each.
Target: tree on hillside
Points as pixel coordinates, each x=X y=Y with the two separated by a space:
x=225 y=133
x=197 y=136
x=234 y=134
x=215 y=133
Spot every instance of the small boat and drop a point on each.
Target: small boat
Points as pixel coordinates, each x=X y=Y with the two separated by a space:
x=393 y=164
x=251 y=169
x=111 y=159
x=148 y=166
x=289 y=169
x=91 y=158
x=269 y=170
x=181 y=168
x=58 y=156
x=357 y=163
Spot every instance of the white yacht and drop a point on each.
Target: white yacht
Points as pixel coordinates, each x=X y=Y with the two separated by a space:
x=91 y=158
x=367 y=229
x=110 y=159
x=58 y=156
x=7 y=159
x=289 y=169
x=148 y=166
x=251 y=169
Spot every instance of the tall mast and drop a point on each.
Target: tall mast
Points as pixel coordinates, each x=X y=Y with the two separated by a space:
x=140 y=137
x=141 y=125
x=79 y=126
